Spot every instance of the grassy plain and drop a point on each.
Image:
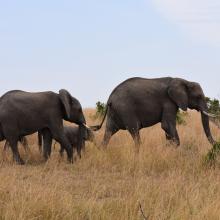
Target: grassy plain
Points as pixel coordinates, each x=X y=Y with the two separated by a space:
x=169 y=182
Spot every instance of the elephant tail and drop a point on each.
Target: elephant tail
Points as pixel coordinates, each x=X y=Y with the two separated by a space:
x=39 y=135
x=97 y=127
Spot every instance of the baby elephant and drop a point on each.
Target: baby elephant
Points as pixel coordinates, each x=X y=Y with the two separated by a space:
x=73 y=136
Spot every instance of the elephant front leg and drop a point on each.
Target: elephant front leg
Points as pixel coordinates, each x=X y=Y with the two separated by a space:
x=171 y=132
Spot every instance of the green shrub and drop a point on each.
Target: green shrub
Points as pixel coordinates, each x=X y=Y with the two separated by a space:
x=180 y=117
x=211 y=156
x=100 y=109
x=213 y=106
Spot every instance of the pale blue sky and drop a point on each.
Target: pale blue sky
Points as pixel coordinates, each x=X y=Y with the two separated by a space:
x=88 y=47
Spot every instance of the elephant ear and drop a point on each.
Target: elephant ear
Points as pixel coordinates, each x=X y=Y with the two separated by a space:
x=86 y=133
x=65 y=99
x=178 y=93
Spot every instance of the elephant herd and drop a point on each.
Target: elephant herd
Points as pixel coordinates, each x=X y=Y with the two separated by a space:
x=134 y=104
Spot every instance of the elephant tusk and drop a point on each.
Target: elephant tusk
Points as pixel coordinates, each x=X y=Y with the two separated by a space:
x=208 y=114
x=86 y=125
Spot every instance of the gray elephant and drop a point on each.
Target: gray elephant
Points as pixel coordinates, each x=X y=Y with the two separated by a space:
x=23 y=113
x=138 y=103
x=73 y=136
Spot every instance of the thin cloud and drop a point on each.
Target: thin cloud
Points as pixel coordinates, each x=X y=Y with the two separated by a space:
x=197 y=19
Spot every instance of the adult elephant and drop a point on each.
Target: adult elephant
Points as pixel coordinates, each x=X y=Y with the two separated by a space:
x=138 y=103
x=23 y=113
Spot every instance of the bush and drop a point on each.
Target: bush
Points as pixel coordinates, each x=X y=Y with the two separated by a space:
x=211 y=156
x=180 y=117
x=100 y=109
x=213 y=106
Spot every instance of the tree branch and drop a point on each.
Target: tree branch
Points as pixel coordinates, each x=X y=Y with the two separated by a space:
x=142 y=212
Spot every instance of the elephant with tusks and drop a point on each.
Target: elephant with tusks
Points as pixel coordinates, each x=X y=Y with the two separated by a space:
x=139 y=102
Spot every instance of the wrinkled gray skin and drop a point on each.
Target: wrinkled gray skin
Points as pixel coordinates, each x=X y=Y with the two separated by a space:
x=138 y=103
x=23 y=113
x=73 y=136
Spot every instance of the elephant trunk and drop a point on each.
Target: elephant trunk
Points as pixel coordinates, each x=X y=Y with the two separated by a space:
x=205 y=123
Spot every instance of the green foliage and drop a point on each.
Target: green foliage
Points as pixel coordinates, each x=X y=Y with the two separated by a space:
x=211 y=156
x=213 y=106
x=180 y=117
x=100 y=109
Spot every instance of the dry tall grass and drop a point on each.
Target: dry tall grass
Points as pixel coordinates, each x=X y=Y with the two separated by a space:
x=169 y=182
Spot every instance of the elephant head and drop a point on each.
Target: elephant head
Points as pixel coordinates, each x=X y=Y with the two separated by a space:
x=187 y=94
x=72 y=108
x=89 y=135
x=85 y=134
x=73 y=113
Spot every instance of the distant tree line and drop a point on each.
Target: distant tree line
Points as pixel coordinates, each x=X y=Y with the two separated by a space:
x=100 y=109
x=213 y=106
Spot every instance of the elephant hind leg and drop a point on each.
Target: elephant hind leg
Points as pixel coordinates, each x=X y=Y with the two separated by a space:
x=136 y=137
x=11 y=135
x=14 y=146
x=109 y=132
x=24 y=142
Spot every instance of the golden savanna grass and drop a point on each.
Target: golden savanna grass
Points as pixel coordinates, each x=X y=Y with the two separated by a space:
x=169 y=182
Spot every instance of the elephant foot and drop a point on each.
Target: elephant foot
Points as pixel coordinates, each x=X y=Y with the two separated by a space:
x=61 y=153
x=19 y=161
x=173 y=142
x=79 y=154
x=70 y=160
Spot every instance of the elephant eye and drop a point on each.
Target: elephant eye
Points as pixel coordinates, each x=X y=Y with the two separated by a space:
x=199 y=96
